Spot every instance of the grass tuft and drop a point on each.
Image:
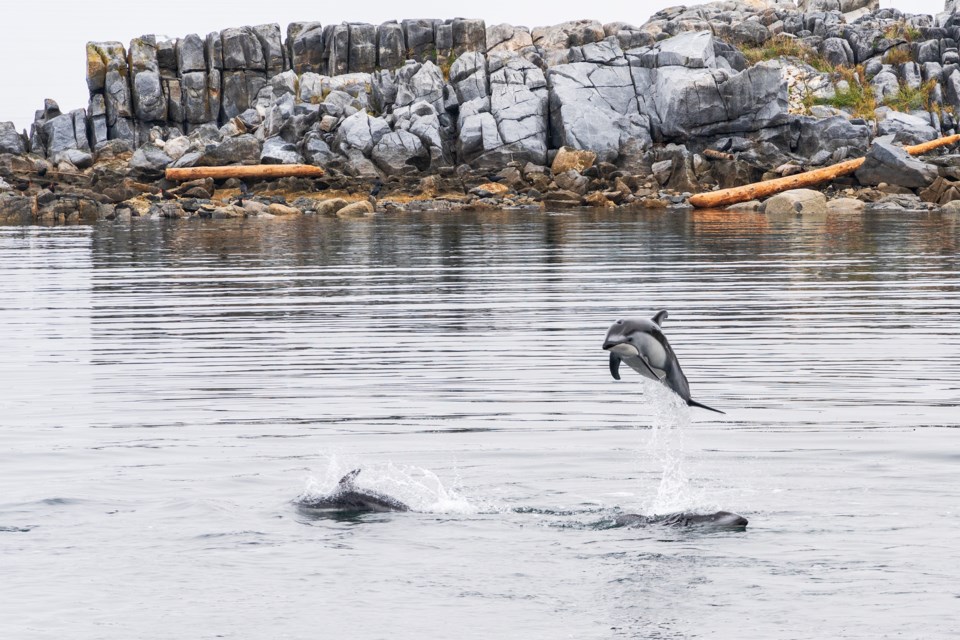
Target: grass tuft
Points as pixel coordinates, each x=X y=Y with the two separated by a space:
x=908 y=99
x=781 y=46
x=858 y=98
x=902 y=31
x=898 y=55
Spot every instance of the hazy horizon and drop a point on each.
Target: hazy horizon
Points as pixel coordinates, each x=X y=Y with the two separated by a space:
x=54 y=65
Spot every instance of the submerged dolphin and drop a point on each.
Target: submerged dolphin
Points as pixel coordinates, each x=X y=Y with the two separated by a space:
x=641 y=344
x=718 y=520
x=347 y=497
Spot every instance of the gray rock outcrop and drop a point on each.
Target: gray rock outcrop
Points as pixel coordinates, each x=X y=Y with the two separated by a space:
x=428 y=95
x=887 y=163
x=10 y=139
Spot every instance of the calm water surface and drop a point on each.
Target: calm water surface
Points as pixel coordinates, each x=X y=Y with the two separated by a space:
x=170 y=389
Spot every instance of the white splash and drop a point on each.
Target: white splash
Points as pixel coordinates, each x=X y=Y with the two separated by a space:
x=666 y=449
x=419 y=488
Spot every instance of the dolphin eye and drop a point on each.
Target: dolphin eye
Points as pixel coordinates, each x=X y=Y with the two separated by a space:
x=619 y=321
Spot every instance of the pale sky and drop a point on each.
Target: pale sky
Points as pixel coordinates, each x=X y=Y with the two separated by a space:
x=43 y=44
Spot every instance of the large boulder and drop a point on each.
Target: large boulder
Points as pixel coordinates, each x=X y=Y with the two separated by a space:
x=271 y=44
x=360 y=132
x=837 y=52
x=363 y=48
x=305 y=41
x=418 y=82
x=506 y=38
x=420 y=39
x=242 y=50
x=796 y=201
x=150 y=160
x=422 y=120
x=831 y=135
x=10 y=139
x=62 y=132
x=191 y=54
x=101 y=58
x=315 y=149
x=468 y=35
x=16 y=209
x=239 y=92
x=468 y=75
x=888 y=163
x=594 y=106
x=568 y=34
x=336 y=55
x=572 y=160
x=400 y=152
x=150 y=104
x=244 y=149
x=693 y=50
x=276 y=150
x=907 y=128
x=391 y=49
x=684 y=102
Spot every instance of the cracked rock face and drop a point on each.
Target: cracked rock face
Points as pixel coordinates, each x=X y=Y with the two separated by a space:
x=400 y=152
x=683 y=102
x=360 y=132
x=510 y=124
x=468 y=75
x=594 y=106
x=276 y=150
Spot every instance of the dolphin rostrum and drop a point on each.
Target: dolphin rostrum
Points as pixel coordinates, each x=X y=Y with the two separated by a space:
x=718 y=520
x=347 y=497
x=641 y=344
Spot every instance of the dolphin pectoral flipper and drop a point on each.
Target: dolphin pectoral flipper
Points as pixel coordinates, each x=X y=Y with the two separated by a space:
x=615 y=365
x=347 y=480
x=693 y=403
x=641 y=343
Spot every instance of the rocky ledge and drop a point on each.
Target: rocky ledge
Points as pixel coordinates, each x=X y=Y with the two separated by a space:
x=457 y=114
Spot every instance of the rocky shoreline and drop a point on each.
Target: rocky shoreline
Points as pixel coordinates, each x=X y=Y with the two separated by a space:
x=453 y=115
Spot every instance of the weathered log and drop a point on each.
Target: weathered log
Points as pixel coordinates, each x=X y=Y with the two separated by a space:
x=717 y=155
x=767 y=188
x=256 y=171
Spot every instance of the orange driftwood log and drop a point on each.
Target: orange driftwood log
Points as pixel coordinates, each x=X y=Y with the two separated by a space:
x=759 y=190
x=256 y=171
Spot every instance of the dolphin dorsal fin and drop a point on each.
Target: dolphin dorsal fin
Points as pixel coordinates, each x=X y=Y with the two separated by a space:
x=348 y=479
x=660 y=317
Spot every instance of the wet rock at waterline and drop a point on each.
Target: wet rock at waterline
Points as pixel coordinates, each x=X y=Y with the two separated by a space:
x=888 y=164
x=796 y=202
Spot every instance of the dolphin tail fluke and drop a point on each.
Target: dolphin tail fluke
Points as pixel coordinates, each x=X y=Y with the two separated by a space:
x=693 y=403
x=615 y=366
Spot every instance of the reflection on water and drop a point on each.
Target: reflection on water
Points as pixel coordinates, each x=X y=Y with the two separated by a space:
x=169 y=389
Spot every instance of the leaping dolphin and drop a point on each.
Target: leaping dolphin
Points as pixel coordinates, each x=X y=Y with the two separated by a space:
x=349 y=498
x=641 y=344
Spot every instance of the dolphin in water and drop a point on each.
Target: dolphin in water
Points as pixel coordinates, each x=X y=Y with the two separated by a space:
x=347 y=497
x=718 y=520
x=641 y=344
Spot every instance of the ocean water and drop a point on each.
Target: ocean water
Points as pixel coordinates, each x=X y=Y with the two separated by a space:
x=170 y=390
